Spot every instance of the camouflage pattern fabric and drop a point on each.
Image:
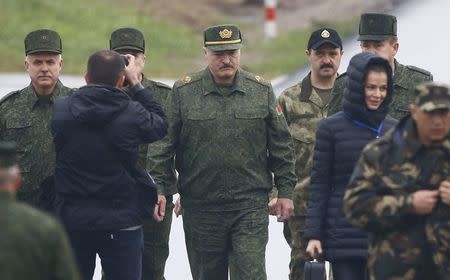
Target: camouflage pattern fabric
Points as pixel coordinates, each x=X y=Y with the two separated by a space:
x=303 y=109
x=32 y=245
x=406 y=78
x=25 y=119
x=403 y=245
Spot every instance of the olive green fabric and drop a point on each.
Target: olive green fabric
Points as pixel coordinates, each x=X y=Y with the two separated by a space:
x=377 y=27
x=43 y=40
x=402 y=244
x=406 y=78
x=127 y=39
x=303 y=109
x=432 y=96
x=32 y=244
x=25 y=118
x=222 y=37
x=218 y=240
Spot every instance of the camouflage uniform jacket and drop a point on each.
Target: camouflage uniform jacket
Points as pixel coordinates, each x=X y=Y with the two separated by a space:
x=303 y=109
x=379 y=200
x=32 y=245
x=25 y=119
x=406 y=78
x=227 y=144
x=146 y=152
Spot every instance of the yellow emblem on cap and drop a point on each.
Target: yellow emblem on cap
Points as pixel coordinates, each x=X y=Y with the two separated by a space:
x=325 y=34
x=225 y=34
x=259 y=78
x=187 y=79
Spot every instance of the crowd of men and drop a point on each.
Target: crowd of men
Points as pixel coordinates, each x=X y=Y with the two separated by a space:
x=106 y=159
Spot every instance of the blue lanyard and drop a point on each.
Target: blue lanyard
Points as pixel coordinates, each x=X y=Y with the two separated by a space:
x=376 y=130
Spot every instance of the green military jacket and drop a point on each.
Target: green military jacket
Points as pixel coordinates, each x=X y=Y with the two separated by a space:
x=146 y=152
x=25 y=118
x=303 y=109
x=406 y=78
x=32 y=245
x=227 y=143
x=402 y=244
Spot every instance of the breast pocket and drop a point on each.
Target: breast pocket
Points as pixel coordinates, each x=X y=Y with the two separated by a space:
x=15 y=129
x=251 y=122
x=199 y=125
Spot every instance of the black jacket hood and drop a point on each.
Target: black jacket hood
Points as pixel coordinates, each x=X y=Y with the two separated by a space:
x=354 y=104
x=98 y=104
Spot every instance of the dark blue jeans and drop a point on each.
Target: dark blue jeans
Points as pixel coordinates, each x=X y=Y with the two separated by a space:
x=350 y=269
x=120 y=253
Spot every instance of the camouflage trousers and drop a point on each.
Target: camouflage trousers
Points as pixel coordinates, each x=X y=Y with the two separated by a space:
x=293 y=232
x=156 y=245
x=229 y=240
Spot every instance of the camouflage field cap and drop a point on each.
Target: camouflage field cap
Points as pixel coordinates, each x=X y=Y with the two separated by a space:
x=324 y=36
x=222 y=37
x=377 y=27
x=127 y=39
x=432 y=96
x=7 y=153
x=43 y=40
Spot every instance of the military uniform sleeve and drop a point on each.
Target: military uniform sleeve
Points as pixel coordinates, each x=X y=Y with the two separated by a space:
x=368 y=202
x=281 y=149
x=335 y=104
x=162 y=159
x=64 y=266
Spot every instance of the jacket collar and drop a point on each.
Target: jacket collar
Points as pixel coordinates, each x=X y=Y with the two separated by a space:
x=209 y=86
x=306 y=92
x=33 y=98
x=400 y=78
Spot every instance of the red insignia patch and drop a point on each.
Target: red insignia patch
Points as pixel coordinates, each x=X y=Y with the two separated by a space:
x=279 y=110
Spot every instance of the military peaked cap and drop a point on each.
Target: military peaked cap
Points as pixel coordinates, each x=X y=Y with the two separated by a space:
x=377 y=27
x=43 y=40
x=127 y=39
x=432 y=96
x=222 y=37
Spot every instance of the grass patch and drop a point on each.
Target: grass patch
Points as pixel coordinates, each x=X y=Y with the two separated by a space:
x=172 y=49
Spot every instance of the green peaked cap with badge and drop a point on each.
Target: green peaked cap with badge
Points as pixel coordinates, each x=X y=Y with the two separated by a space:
x=432 y=96
x=222 y=37
x=377 y=27
x=127 y=39
x=43 y=40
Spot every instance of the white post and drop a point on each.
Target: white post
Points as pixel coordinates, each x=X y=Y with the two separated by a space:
x=270 y=26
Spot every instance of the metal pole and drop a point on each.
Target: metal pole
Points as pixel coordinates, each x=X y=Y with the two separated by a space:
x=270 y=26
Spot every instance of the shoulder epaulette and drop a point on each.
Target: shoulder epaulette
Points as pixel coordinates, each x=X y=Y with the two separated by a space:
x=188 y=79
x=5 y=97
x=255 y=78
x=420 y=70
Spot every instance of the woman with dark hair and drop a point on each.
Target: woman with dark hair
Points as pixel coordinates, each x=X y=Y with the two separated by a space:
x=340 y=140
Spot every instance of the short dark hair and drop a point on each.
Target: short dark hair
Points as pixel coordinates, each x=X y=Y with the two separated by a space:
x=105 y=67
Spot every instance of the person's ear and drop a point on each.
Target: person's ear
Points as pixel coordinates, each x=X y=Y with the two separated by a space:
x=86 y=78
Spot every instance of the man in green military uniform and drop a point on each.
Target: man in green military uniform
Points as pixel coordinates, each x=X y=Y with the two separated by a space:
x=32 y=244
x=304 y=105
x=156 y=232
x=228 y=136
x=400 y=192
x=378 y=34
x=25 y=114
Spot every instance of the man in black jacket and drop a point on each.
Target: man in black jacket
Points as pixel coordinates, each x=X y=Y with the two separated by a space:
x=97 y=132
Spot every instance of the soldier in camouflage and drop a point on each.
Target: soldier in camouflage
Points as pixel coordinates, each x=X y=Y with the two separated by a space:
x=157 y=231
x=378 y=34
x=32 y=244
x=25 y=114
x=304 y=105
x=228 y=136
x=400 y=192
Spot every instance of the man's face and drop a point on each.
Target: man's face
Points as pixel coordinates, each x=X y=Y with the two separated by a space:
x=44 y=69
x=223 y=64
x=432 y=127
x=387 y=49
x=140 y=58
x=325 y=60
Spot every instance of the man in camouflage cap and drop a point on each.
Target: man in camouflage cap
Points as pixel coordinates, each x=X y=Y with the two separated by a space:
x=400 y=192
x=32 y=244
x=25 y=115
x=304 y=105
x=228 y=136
x=156 y=232
x=378 y=35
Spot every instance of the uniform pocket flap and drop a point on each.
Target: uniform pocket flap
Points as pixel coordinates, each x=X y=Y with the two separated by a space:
x=17 y=123
x=199 y=115
x=250 y=114
x=303 y=136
